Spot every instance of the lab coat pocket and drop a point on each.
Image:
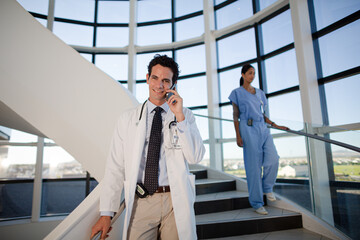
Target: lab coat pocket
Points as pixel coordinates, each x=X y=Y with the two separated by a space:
x=191 y=187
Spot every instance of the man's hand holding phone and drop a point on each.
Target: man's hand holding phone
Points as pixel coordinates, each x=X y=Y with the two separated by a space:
x=175 y=103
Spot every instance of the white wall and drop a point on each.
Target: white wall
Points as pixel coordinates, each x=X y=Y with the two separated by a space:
x=58 y=92
x=28 y=230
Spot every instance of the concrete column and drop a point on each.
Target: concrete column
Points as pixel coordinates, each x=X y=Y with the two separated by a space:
x=37 y=191
x=311 y=106
x=132 y=47
x=216 y=158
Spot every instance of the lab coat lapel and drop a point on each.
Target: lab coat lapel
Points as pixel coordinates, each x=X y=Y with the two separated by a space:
x=139 y=140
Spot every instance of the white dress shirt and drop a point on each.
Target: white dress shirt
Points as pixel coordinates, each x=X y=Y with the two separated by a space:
x=163 y=177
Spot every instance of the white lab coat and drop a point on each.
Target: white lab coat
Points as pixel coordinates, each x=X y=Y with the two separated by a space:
x=123 y=163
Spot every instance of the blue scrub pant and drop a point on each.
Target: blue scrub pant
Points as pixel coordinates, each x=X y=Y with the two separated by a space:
x=261 y=161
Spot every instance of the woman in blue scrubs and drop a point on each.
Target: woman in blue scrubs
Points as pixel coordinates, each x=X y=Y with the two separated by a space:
x=260 y=155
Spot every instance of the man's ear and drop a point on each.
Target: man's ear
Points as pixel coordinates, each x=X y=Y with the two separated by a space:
x=147 y=78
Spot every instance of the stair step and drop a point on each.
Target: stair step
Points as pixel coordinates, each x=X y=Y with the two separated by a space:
x=223 y=201
x=205 y=186
x=245 y=221
x=199 y=173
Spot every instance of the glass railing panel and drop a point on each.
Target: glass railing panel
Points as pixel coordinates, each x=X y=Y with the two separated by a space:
x=206 y=159
x=346 y=162
x=233 y=159
x=15 y=199
x=293 y=174
x=60 y=197
x=335 y=178
x=64 y=183
x=319 y=168
x=17 y=171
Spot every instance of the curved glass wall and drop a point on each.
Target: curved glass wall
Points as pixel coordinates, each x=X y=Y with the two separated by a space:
x=178 y=28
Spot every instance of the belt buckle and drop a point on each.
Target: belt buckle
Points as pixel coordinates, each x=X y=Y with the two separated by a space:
x=163 y=188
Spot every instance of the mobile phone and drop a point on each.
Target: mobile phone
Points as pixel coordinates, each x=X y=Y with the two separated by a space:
x=169 y=94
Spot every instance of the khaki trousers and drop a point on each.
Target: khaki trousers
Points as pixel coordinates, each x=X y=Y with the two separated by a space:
x=153 y=218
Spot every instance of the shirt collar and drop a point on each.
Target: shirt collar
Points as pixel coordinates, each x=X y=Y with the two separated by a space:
x=152 y=106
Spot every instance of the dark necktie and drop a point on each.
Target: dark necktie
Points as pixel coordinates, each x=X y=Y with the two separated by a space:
x=153 y=154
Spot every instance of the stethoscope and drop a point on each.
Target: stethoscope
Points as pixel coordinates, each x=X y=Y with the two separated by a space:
x=171 y=124
x=172 y=127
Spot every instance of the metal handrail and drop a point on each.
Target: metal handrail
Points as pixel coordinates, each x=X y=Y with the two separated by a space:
x=341 y=144
x=113 y=220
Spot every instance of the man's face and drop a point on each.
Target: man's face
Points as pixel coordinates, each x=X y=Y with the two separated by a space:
x=159 y=81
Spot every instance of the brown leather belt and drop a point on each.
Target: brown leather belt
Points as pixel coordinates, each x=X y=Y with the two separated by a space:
x=163 y=189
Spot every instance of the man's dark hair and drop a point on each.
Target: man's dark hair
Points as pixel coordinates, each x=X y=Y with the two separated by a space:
x=165 y=61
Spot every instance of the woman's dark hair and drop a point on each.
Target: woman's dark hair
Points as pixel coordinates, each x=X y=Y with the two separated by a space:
x=244 y=69
x=165 y=61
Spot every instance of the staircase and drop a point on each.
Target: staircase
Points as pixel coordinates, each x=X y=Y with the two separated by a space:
x=223 y=211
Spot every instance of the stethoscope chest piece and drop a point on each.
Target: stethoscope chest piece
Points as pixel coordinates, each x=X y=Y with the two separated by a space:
x=174 y=136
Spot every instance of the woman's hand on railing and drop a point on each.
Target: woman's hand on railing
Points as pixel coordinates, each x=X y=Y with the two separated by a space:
x=280 y=127
x=103 y=225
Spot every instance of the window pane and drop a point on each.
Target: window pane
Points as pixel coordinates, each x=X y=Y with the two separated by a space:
x=206 y=160
x=142 y=92
x=5 y=133
x=292 y=151
x=233 y=13
x=142 y=62
x=202 y=123
x=266 y=3
x=113 y=12
x=184 y=7
x=340 y=49
x=286 y=110
x=281 y=71
x=82 y=10
x=277 y=32
x=330 y=11
x=350 y=137
x=42 y=21
x=74 y=34
x=36 y=6
x=227 y=127
x=153 y=10
x=217 y=2
x=342 y=100
x=193 y=91
x=18 y=136
x=112 y=36
x=237 y=48
x=146 y=36
x=191 y=60
x=58 y=163
x=17 y=162
x=229 y=80
x=189 y=28
x=114 y=65
x=87 y=56
x=293 y=164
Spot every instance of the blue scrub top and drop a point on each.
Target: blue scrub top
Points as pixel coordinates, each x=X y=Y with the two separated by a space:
x=250 y=105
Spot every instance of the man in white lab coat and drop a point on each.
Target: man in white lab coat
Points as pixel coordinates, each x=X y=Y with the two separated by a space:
x=168 y=213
